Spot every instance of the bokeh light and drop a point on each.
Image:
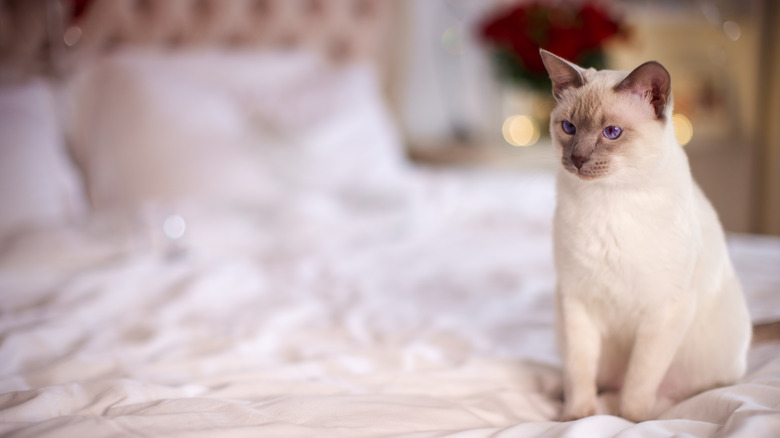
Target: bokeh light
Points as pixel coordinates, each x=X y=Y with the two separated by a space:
x=732 y=30
x=452 y=41
x=683 y=129
x=520 y=130
x=174 y=227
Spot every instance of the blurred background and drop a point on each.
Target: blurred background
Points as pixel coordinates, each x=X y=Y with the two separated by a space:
x=463 y=78
x=465 y=89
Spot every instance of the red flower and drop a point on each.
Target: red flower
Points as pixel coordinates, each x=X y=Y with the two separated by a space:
x=569 y=31
x=78 y=8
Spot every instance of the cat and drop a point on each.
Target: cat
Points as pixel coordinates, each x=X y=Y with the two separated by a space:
x=649 y=306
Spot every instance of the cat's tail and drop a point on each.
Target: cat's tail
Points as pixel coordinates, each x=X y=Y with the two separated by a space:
x=769 y=331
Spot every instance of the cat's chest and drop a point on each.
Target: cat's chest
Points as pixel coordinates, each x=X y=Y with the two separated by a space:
x=620 y=236
x=603 y=239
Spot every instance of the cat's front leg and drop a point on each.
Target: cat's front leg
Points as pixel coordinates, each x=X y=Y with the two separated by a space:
x=657 y=341
x=581 y=348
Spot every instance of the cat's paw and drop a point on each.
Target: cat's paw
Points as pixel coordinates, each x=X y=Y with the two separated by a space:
x=573 y=412
x=637 y=410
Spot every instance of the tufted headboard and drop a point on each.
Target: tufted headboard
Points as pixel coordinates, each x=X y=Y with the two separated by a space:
x=47 y=34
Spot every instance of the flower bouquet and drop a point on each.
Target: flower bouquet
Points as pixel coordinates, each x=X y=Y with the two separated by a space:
x=574 y=30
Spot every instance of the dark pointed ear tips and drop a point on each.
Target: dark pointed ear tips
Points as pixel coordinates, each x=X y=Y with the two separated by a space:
x=563 y=74
x=651 y=76
x=550 y=59
x=651 y=81
x=658 y=72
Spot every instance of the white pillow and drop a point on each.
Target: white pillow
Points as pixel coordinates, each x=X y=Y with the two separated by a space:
x=38 y=183
x=156 y=127
x=143 y=133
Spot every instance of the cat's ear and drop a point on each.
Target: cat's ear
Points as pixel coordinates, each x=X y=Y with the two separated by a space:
x=651 y=82
x=563 y=73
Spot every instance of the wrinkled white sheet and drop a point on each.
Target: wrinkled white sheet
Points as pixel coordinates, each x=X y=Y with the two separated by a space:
x=422 y=310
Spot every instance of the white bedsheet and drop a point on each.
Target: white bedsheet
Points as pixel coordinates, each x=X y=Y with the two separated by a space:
x=423 y=310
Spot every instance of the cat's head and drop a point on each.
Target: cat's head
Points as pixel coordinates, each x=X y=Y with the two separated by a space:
x=608 y=122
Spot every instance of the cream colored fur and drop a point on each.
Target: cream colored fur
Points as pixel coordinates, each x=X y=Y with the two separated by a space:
x=649 y=306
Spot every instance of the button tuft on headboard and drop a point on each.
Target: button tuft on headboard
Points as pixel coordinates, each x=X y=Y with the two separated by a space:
x=340 y=48
x=364 y=9
x=315 y=8
x=261 y=7
x=342 y=30
x=143 y=7
x=203 y=9
x=288 y=40
x=112 y=42
x=174 y=41
x=236 y=40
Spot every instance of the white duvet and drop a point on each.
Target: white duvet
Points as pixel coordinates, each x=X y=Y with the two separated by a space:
x=420 y=306
x=426 y=314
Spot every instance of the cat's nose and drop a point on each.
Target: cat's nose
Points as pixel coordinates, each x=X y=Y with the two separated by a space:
x=578 y=160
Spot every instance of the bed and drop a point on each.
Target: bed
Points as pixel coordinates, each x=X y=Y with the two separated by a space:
x=198 y=241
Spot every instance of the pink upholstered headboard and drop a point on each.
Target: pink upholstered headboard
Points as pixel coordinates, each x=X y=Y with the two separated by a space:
x=37 y=33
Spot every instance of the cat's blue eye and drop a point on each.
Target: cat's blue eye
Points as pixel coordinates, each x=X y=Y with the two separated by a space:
x=612 y=132
x=568 y=127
